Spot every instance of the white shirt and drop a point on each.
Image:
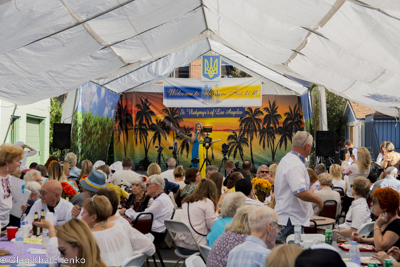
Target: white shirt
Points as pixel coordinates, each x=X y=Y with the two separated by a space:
x=161 y=208
x=126 y=176
x=250 y=201
x=357 y=215
x=169 y=174
x=354 y=152
x=62 y=212
x=391 y=182
x=6 y=201
x=339 y=183
x=23 y=160
x=354 y=173
x=120 y=219
x=292 y=178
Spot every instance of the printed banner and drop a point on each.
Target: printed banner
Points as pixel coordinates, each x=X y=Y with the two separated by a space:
x=93 y=122
x=232 y=92
x=210 y=112
x=210 y=68
x=261 y=135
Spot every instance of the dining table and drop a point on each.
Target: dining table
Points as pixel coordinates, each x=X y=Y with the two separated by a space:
x=322 y=221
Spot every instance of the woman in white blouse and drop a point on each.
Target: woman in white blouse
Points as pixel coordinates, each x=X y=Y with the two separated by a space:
x=199 y=213
x=337 y=181
x=116 y=241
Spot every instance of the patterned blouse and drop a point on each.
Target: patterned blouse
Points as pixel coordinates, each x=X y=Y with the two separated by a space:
x=188 y=189
x=218 y=256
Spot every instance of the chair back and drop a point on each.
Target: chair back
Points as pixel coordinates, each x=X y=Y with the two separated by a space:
x=177 y=216
x=136 y=260
x=143 y=222
x=365 y=229
x=312 y=228
x=204 y=250
x=194 y=261
x=329 y=209
x=339 y=190
x=176 y=227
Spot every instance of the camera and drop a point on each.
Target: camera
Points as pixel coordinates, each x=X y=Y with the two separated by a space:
x=207 y=129
x=225 y=148
x=350 y=149
x=160 y=148
x=207 y=142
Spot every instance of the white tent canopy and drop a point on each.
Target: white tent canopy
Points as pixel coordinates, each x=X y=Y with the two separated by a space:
x=52 y=47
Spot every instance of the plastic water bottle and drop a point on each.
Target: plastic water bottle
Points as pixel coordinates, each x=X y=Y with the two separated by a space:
x=355 y=253
x=24 y=226
x=297 y=234
x=19 y=241
x=45 y=237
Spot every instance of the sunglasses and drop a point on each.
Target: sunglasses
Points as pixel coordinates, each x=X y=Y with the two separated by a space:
x=62 y=250
x=305 y=139
x=264 y=171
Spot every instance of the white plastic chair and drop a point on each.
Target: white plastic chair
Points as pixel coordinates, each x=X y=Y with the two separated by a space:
x=136 y=260
x=194 y=261
x=177 y=215
x=178 y=227
x=351 y=264
x=365 y=229
x=204 y=250
x=305 y=237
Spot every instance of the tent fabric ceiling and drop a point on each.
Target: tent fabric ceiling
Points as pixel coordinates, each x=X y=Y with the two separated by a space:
x=52 y=47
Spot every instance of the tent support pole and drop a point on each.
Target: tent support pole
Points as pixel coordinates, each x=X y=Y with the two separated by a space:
x=9 y=125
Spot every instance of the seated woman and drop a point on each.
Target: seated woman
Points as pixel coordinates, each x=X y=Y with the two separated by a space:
x=336 y=171
x=138 y=200
x=65 y=173
x=235 y=234
x=179 y=175
x=198 y=212
x=34 y=187
x=387 y=226
x=192 y=179
x=73 y=241
x=359 y=212
x=230 y=204
x=33 y=176
x=113 y=198
x=394 y=252
x=326 y=193
x=314 y=183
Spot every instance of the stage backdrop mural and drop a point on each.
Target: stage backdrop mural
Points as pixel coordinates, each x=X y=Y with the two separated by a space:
x=259 y=134
x=93 y=122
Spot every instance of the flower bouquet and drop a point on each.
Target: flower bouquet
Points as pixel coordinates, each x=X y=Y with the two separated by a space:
x=263 y=187
x=68 y=190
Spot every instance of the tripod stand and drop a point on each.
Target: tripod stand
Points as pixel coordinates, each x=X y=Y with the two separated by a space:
x=159 y=157
x=224 y=159
x=206 y=161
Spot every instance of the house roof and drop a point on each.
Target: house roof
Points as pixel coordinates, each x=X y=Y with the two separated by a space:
x=53 y=47
x=361 y=111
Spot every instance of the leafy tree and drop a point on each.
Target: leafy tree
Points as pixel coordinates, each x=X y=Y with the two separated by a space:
x=236 y=143
x=185 y=135
x=237 y=73
x=55 y=117
x=124 y=121
x=159 y=129
x=250 y=125
x=335 y=106
x=172 y=120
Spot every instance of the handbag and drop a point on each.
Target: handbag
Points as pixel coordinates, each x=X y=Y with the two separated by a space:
x=191 y=223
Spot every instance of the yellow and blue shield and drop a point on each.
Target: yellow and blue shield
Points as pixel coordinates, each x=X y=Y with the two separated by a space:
x=211 y=67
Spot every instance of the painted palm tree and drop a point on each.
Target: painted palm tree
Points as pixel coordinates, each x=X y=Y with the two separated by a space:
x=172 y=120
x=267 y=139
x=236 y=143
x=293 y=119
x=250 y=125
x=185 y=134
x=286 y=132
x=144 y=113
x=159 y=129
x=271 y=120
x=143 y=121
x=272 y=116
x=124 y=121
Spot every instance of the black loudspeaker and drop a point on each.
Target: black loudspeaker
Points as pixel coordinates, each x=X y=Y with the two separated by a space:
x=325 y=143
x=62 y=135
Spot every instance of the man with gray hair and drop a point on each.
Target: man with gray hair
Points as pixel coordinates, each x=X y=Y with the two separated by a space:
x=263 y=224
x=169 y=173
x=389 y=180
x=263 y=172
x=210 y=169
x=292 y=185
x=162 y=207
x=320 y=168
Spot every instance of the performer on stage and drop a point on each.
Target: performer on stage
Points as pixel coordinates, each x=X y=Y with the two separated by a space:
x=198 y=150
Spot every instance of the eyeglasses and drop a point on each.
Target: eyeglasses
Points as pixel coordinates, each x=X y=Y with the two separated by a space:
x=264 y=171
x=148 y=184
x=91 y=201
x=62 y=250
x=305 y=139
x=43 y=193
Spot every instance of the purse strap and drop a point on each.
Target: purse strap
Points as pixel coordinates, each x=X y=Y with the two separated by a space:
x=191 y=223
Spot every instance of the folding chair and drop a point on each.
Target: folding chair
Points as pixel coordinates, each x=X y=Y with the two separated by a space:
x=194 y=261
x=204 y=250
x=311 y=229
x=136 y=260
x=176 y=227
x=365 y=229
x=329 y=210
x=143 y=224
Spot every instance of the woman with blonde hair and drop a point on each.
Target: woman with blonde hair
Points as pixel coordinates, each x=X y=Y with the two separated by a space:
x=381 y=154
x=86 y=168
x=359 y=168
x=391 y=157
x=10 y=157
x=336 y=172
x=179 y=175
x=153 y=168
x=55 y=171
x=73 y=241
x=199 y=213
x=283 y=256
x=235 y=234
x=272 y=171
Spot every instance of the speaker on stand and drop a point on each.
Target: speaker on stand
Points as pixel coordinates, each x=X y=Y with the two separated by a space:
x=62 y=136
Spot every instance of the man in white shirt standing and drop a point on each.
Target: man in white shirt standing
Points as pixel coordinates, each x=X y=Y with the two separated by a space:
x=161 y=208
x=348 y=144
x=29 y=153
x=50 y=200
x=292 y=185
x=126 y=175
x=169 y=173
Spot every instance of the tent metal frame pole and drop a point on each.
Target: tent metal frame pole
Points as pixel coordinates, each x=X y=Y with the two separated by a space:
x=9 y=125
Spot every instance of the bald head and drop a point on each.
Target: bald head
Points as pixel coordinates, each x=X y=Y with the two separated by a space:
x=53 y=186
x=50 y=193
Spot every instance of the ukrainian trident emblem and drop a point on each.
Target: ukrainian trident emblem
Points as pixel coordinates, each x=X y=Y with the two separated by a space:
x=211 y=66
